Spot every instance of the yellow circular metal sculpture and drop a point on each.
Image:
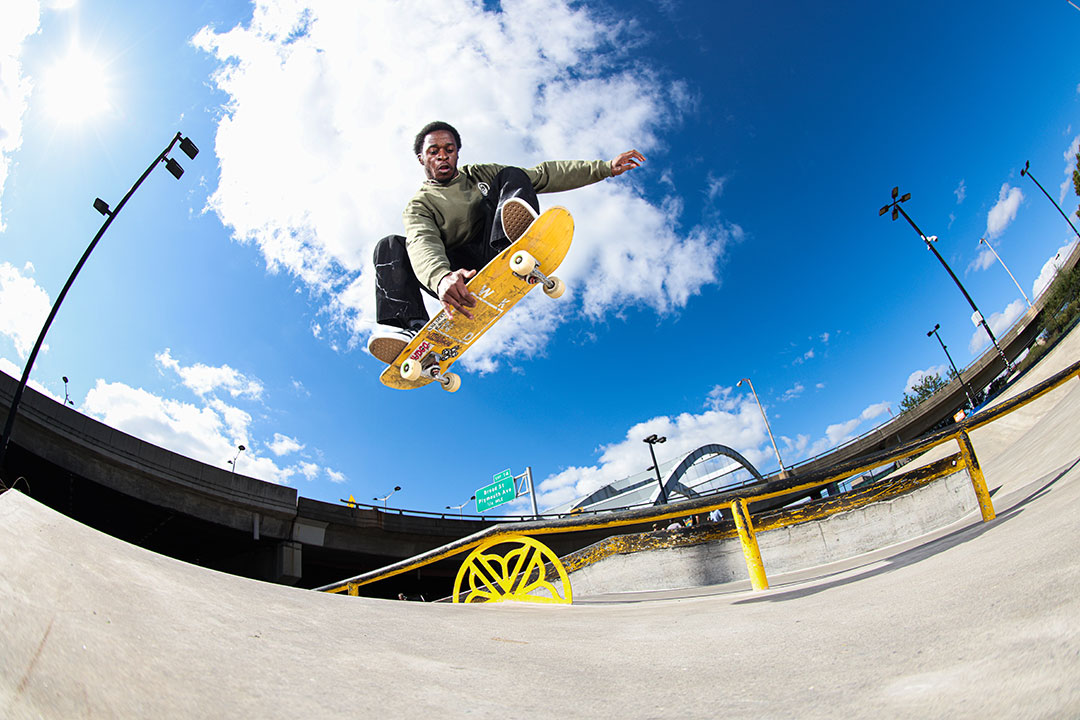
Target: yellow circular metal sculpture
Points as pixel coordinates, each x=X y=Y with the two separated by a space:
x=518 y=573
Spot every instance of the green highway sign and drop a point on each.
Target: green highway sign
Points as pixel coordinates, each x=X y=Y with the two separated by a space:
x=501 y=490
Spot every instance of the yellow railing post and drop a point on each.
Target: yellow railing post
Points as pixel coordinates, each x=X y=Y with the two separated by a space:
x=978 y=481
x=745 y=527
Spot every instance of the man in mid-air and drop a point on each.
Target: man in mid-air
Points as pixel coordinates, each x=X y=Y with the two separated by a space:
x=456 y=223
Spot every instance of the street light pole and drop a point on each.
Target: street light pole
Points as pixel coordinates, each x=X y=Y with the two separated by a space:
x=1026 y=170
x=897 y=210
x=783 y=471
x=384 y=499
x=967 y=390
x=458 y=507
x=987 y=244
x=653 y=440
x=102 y=207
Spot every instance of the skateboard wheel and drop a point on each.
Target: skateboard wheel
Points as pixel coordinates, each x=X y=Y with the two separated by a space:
x=451 y=382
x=556 y=289
x=522 y=263
x=411 y=369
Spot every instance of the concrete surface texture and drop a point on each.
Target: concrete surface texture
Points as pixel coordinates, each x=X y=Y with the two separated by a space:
x=975 y=620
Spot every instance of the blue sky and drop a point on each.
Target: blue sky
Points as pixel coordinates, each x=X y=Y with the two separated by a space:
x=232 y=306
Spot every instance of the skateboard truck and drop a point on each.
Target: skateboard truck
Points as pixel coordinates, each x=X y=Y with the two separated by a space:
x=429 y=366
x=525 y=266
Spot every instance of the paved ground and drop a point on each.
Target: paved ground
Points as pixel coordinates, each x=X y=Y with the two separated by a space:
x=978 y=620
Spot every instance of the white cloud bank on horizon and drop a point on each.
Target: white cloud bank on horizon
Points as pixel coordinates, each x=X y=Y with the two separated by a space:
x=1050 y=268
x=728 y=418
x=999 y=322
x=325 y=97
x=208 y=429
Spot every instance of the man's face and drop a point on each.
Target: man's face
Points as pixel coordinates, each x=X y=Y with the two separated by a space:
x=439 y=156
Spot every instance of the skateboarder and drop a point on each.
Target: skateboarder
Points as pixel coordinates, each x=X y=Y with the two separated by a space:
x=455 y=224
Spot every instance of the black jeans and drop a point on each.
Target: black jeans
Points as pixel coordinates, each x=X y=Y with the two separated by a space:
x=397 y=290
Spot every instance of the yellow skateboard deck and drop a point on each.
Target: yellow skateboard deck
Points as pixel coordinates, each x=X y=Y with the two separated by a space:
x=497 y=288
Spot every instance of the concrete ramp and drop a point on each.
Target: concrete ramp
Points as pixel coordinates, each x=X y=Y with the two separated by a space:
x=981 y=621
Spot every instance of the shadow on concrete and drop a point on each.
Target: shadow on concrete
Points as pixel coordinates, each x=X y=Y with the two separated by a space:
x=922 y=552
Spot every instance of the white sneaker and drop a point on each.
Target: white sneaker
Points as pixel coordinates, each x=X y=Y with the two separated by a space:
x=387 y=342
x=517 y=216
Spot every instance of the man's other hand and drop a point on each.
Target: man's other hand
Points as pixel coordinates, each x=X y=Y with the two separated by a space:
x=626 y=161
x=454 y=295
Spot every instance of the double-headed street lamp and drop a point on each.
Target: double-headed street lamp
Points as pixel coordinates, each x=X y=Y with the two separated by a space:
x=458 y=507
x=387 y=497
x=1026 y=170
x=967 y=390
x=783 y=472
x=896 y=212
x=239 y=449
x=102 y=207
x=654 y=440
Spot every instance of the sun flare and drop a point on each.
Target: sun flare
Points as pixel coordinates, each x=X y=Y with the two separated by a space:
x=75 y=88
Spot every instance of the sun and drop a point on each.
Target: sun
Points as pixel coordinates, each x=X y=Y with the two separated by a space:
x=75 y=89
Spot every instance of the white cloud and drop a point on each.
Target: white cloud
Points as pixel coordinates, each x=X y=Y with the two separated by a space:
x=839 y=433
x=983 y=260
x=284 y=445
x=24 y=306
x=999 y=322
x=1070 y=165
x=309 y=470
x=917 y=377
x=335 y=476
x=960 y=192
x=19 y=23
x=714 y=187
x=793 y=392
x=1050 y=268
x=1004 y=211
x=313 y=82
x=205 y=379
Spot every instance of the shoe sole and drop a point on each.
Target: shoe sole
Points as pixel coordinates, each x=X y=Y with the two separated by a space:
x=517 y=216
x=387 y=349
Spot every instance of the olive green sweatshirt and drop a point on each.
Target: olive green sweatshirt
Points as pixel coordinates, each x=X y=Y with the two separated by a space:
x=442 y=216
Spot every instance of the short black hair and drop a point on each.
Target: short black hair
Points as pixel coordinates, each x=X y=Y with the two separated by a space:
x=418 y=141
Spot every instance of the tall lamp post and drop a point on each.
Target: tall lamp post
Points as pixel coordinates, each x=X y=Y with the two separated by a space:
x=783 y=471
x=1026 y=170
x=387 y=497
x=896 y=212
x=653 y=440
x=458 y=507
x=983 y=241
x=102 y=207
x=967 y=390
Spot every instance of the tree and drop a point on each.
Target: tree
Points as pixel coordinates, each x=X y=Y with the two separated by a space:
x=1076 y=181
x=921 y=390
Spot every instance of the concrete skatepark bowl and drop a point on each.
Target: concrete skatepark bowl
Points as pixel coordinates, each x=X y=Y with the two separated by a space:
x=972 y=619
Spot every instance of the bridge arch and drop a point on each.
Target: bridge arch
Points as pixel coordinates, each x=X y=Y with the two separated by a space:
x=673 y=481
